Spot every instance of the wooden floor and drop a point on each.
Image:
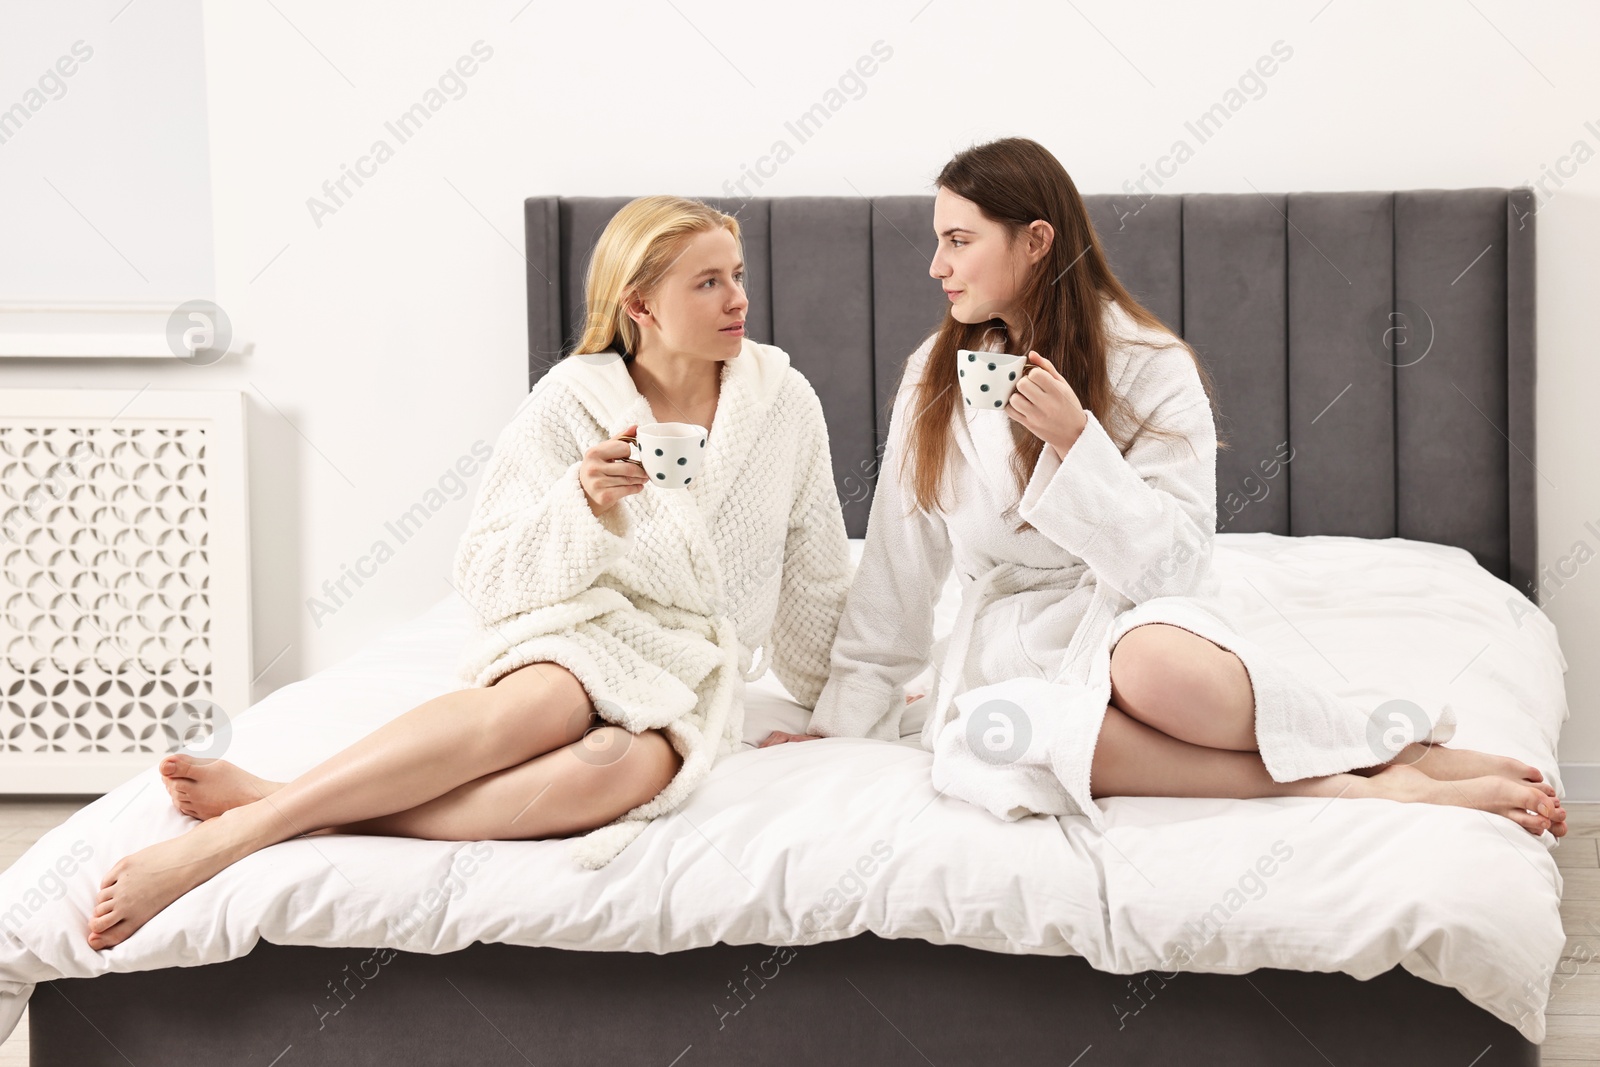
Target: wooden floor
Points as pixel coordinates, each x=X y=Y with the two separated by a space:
x=1573 y=1018
x=1574 y=1015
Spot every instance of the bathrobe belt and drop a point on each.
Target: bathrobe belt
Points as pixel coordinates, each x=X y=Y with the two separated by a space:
x=1003 y=579
x=727 y=632
x=704 y=562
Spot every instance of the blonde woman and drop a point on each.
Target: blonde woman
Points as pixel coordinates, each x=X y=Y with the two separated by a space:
x=615 y=623
x=1082 y=515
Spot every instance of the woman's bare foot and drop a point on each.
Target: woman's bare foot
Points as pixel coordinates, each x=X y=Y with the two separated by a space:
x=139 y=886
x=1531 y=805
x=1455 y=764
x=204 y=789
x=1458 y=764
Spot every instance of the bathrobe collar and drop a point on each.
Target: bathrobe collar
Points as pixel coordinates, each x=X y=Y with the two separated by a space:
x=1119 y=327
x=750 y=383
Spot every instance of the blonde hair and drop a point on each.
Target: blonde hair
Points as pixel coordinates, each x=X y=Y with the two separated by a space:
x=635 y=251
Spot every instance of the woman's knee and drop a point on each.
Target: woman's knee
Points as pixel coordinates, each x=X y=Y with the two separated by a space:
x=1184 y=685
x=542 y=700
x=1161 y=654
x=1148 y=672
x=637 y=765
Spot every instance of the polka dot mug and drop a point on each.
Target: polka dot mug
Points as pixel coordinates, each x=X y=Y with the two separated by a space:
x=987 y=378
x=670 y=452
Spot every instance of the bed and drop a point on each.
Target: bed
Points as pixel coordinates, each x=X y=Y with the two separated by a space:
x=819 y=902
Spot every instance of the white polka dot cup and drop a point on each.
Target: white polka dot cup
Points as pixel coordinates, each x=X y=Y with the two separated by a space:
x=670 y=452
x=987 y=378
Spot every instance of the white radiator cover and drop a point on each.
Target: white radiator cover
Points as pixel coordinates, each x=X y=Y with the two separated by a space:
x=124 y=582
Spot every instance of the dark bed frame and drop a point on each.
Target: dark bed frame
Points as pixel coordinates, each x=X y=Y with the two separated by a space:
x=1408 y=404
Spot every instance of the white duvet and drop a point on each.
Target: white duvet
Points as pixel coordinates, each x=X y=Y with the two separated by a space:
x=828 y=839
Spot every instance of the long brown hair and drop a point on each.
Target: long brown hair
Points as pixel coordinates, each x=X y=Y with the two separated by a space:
x=1015 y=181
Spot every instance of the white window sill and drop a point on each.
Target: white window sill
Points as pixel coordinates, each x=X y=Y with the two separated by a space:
x=96 y=331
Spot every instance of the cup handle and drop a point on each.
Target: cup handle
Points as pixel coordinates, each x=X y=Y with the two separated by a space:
x=634 y=441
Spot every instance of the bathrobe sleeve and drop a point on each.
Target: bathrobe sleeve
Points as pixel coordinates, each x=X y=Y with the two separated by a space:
x=532 y=540
x=886 y=634
x=816 y=569
x=1144 y=522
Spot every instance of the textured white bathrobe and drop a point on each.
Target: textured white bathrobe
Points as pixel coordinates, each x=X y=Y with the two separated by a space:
x=658 y=606
x=1117 y=540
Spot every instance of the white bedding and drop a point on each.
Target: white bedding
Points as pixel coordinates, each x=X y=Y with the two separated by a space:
x=831 y=838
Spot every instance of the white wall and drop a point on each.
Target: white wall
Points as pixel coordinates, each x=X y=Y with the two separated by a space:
x=104 y=161
x=392 y=337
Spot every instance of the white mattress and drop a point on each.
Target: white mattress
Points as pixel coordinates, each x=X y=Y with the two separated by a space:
x=831 y=838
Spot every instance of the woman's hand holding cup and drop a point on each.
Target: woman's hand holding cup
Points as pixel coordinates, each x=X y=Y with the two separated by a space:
x=1048 y=406
x=607 y=474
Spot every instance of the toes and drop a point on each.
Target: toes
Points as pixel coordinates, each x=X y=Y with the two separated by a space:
x=1539 y=810
x=99 y=924
x=109 y=937
x=1535 y=800
x=1546 y=810
x=183 y=765
x=1512 y=767
x=1534 y=824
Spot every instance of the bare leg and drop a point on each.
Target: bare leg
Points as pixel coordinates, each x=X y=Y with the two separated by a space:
x=1185 y=686
x=428 y=751
x=422 y=755
x=586 y=784
x=1194 y=690
x=578 y=787
x=561 y=792
x=1134 y=759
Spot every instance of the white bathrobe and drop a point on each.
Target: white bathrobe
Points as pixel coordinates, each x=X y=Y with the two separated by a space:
x=1020 y=691
x=659 y=605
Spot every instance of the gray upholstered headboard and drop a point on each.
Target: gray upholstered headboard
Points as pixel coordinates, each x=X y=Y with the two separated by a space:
x=1384 y=341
